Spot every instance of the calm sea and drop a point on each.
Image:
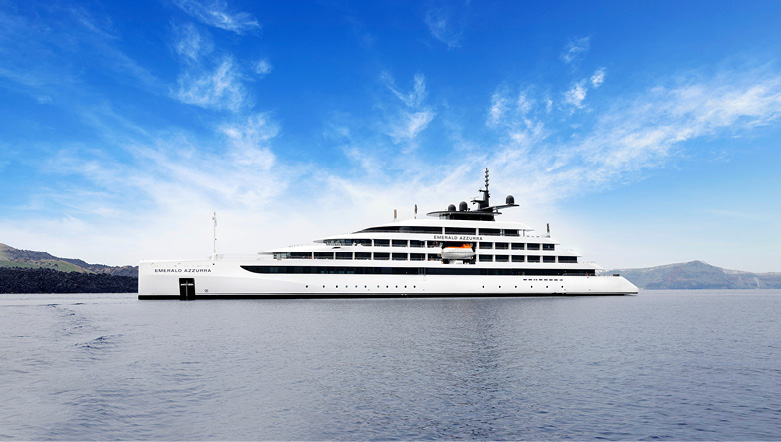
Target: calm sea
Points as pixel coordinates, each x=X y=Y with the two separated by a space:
x=694 y=365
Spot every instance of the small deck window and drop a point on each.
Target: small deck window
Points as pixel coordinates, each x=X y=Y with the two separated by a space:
x=502 y=246
x=433 y=257
x=501 y=258
x=363 y=255
x=568 y=259
x=485 y=258
x=486 y=245
x=533 y=258
x=532 y=246
x=548 y=259
x=324 y=255
x=433 y=244
x=517 y=246
x=417 y=256
x=399 y=256
x=548 y=247
x=490 y=232
x=381 y=243
x=518 y=258
x=344 y=255
x=301 y=255
x=399 y=243
x=381 y=256
x=416 y=243
x=362 y=242
x=511 y=232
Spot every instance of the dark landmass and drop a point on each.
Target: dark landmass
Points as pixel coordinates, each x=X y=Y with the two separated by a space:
x=698 y=275
x=27 y=271
x=15 y=258
x=21 y=280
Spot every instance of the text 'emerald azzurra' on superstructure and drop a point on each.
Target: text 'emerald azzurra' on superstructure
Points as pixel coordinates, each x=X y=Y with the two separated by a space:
x=457 y=252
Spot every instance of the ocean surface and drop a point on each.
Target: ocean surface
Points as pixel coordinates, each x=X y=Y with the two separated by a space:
x=692 y=365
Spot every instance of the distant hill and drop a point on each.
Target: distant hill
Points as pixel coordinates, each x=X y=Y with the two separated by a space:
x=26 y=271
x=11 y=257
x=698 y=275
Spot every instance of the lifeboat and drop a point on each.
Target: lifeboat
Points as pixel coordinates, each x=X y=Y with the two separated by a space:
x=463 y=251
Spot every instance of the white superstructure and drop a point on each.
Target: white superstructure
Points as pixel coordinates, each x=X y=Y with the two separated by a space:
x=457 y=252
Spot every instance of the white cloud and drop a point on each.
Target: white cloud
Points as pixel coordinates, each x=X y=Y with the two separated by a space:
x=411 y=124
x=220 y=88
x=637 y=133
x=576 y=94
x=442 y=29
x=598 y=78
x=408 y=123
x=190 y=43
x=215 y=13
x=263 y=68
x=575 y=50
x=413 y=98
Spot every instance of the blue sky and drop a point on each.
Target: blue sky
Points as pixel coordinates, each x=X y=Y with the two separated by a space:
x=645 y=133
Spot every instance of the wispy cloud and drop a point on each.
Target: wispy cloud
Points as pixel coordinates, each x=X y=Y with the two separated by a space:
x=262 y=68
x=411 y=121
x=191 y=44
x=219 y=88
x=441 y=26
x=576 y=49
x=215 y=13
x=576 y=94
x=598 y=78
x=637 y=133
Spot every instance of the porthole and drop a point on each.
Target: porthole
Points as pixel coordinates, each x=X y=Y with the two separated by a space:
x=307 y=286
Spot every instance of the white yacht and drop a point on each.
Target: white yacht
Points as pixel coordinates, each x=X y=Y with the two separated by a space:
x=457 y=252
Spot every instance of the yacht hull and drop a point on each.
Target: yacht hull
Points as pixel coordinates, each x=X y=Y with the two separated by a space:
x=217 y=279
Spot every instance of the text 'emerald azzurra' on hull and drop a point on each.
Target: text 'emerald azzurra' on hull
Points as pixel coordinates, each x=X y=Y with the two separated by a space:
x=456 y=252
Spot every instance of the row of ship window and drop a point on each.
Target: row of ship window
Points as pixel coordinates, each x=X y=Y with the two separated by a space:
x=442 y=270
x=382 y=256
x=435 y=244
x=439 y=230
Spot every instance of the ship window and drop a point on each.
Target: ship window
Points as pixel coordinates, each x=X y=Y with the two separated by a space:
x=432 y=244
x=381 y=243
x=568 y=259
x=363 y=255
x=459 y=231
x=517 y=258
x=344 y=255
x=399 y=256
x=502 y=246
x=324 y=255
x=382 y=256
x=417 y=256
x=548 y=259
x=532 y=246
x=399 y=243
x=434 y=257
x=502 y=258
x=517 y=246
x=533 y=258
x=490 y=232
x=511 y=232
x=281 y=255
x=301 y=255
x=362 y=242
x=485 y=258
x=416 y=243
x=486 y=245
x=548 y=247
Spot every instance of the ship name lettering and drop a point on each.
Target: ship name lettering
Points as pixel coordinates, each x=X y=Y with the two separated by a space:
x=183 y=270
x=458 y=238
